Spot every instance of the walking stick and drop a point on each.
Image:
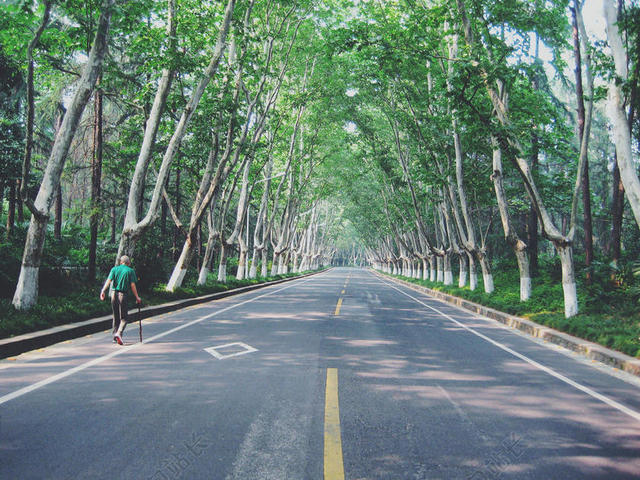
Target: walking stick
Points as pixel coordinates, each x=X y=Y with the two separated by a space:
x=140 y=323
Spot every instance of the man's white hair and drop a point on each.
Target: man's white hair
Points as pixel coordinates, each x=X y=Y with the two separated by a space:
x=125 y=260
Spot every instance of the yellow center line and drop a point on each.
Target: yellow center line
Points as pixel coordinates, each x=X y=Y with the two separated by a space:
x=337 y=312
x=342 y=292
x=333 y=462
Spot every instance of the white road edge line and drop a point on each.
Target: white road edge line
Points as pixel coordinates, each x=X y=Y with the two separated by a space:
x=67 y=373
x=550 y=371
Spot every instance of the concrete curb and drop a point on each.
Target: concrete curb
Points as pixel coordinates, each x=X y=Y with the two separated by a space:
x=30 y=341
x=590 y=350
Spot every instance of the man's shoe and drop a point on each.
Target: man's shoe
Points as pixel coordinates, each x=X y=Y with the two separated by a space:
x=118 y=339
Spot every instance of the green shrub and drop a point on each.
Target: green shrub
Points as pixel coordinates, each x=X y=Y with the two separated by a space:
x=609 y=312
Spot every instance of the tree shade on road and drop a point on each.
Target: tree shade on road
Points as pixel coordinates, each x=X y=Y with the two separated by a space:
x=411 y=388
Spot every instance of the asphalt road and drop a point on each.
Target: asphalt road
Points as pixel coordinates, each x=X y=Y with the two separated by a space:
x=339 y=375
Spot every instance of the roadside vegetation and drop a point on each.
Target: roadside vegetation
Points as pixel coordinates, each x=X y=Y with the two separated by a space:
x=609 y=305
x=67 y=296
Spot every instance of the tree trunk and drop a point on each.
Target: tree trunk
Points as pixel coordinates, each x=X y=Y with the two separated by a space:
x=518 y=246
x=560 y=241
x=253 y=270
x=568 y=280
x=525 y=276
x=532 y=227
x=462 y=278
x=487 y=276
x=26 y=163
x=617 y=113
x=176 y=230
x=207 y=261
x=26 y=294
x=114 y=220
x=186 y=254
x=242 y=258
x=264 y=267
x=199 y=247
x=96 y=183
x=583 y=131
x=222 y=266
x=473 y=274
x=57 y=219
x=11 y=212
x=448 y=273
x=133 y=229
x=617 y=213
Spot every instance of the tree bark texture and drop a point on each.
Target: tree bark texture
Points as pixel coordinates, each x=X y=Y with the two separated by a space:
x=96 y=184
x=617 y=113
x=133 y=229
x=26 y=293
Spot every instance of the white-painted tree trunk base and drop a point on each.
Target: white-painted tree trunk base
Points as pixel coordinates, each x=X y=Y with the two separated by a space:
x=473 y=281
x=176 y=279
x=570 y=299
x=448 y=277
x=26 y=294
x=525 y=288
x=202 y=276
x=253 y=271
x=222 y=273
x=568 y=281
x=462 y=279
x=488 y=283
x=240 y=272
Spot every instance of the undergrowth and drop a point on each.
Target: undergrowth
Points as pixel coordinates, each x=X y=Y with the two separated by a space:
x=83 y=303
x=608 y=311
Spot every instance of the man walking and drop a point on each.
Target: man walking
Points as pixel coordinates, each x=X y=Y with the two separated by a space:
x=123 y=280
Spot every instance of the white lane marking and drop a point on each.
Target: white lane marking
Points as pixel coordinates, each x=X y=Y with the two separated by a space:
x=463 y=415
x=220 y=356
x=550 y=371
x=128 y=348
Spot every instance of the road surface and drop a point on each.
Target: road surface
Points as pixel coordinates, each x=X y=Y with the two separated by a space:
x=339 y=375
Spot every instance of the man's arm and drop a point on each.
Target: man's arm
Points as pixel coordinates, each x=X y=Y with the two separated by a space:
x=104 y=289
x=135 y=292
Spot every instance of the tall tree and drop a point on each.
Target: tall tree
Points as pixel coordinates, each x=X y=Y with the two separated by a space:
x=617 y=110
x=26 y=293
x=134 y=228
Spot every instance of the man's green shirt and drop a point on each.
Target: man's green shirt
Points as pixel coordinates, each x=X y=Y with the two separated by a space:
x=122 y=277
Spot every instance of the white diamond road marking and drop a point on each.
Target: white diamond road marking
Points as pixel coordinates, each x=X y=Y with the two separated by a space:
x=214 y=350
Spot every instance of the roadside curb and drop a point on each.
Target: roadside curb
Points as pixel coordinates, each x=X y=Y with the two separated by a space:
x=590 y=350
x=13 y=346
